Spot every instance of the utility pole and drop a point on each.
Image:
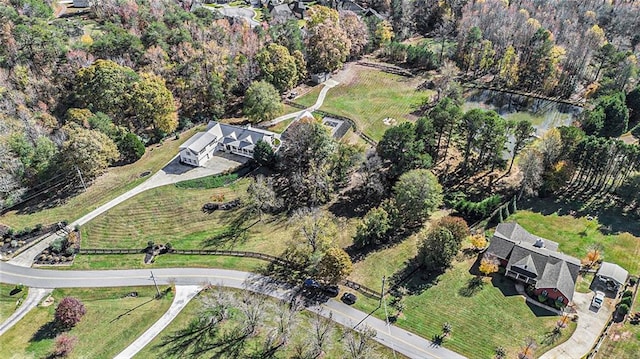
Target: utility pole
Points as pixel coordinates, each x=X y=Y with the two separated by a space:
x=384 y=278
x=81 y=179
x=155 y=283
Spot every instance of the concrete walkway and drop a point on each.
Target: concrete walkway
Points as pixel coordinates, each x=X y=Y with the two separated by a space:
x=184 y=294
x=173 y=172
x=590 y=323
x=34 y=297
x=402 y=341
x=329 y=84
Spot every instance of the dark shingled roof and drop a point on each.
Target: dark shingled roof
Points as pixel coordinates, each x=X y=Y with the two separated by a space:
x=549 y=267
x=561 y=275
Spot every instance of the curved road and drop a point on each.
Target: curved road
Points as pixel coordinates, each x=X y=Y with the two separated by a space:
x=393 y=337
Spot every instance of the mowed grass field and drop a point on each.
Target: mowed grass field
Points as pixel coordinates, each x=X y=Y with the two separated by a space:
x=576 y=235
x=368 y=96
x=111 y=323
x=194 y=308
x=171 y=214
x=623 y=341
x=113 y=183
x=494 y=316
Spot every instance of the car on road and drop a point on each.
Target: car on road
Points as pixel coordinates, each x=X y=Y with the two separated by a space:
x=598 y=299
x=311 y=284
x=331 y=290
x=349 y=298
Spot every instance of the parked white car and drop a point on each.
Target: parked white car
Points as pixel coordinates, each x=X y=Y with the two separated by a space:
x=598 y=299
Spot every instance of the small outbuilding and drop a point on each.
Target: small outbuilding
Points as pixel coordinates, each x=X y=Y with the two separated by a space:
x=613 y=275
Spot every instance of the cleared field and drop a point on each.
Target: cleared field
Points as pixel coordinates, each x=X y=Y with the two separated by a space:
x=116 y=181
x=368 y=96
x=170 y=214
x=111 y=323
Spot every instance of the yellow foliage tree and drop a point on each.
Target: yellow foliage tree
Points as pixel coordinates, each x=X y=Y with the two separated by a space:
x=489 y=264
x=478 y=241
x=335 y=265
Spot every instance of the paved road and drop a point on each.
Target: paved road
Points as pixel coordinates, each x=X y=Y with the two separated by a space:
x=31 y=301
x=184 y=294
x=173 y=172
x=590 y=324
x=323 y=93
x=400 y=340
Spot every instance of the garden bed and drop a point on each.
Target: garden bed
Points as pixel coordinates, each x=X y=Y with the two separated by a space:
x=61 y=251
x=15 y=241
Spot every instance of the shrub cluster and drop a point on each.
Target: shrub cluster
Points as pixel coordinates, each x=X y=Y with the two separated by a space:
x=478 y=210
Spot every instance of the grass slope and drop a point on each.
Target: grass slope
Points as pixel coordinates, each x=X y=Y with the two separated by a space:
x=8 y=302
x=193 y=309
x=116 y=181
x=495 y=316
x=110 y=325
x=371 y=96
x=170 y=214
x=575 y=235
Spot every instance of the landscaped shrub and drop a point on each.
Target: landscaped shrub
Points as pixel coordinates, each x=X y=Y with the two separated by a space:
x=69 y=312
x=478 y=210
x=623 y=309
x=633 y=280
x=65 y=344
x=627 y=293
x=626 y=301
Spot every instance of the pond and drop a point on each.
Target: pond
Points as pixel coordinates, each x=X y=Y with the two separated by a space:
x=543 y=114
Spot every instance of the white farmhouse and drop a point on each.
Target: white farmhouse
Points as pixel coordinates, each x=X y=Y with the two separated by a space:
x=197 y=150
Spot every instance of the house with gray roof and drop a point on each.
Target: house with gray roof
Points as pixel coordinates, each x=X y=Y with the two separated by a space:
x=535 y=261
x=198 y=149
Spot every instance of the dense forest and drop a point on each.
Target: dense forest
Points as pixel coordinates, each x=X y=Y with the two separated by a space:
x=81 y=93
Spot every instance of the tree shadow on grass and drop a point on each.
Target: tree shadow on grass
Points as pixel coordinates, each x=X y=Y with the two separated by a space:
x=609 y=213
x=414 y=278
x=505 y=285
x=473 y=286
x=130 y=310
x=235 y=233
x=47 y=331
x=353 y=204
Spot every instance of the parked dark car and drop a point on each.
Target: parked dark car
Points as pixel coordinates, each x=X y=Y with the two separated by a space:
x=331 y=290
x=311 y=284
x=349 y=298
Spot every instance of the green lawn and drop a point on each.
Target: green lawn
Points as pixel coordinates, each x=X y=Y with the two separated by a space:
x=193 y=309
x=575 y=235
x=280 y=126
x=132 y=261
x=171 y=214
x=623 y=341
x=8 y=302
x=371 y=96
x=111 y=323
x=116 y=181
x=495 y=316
x=584 y=282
